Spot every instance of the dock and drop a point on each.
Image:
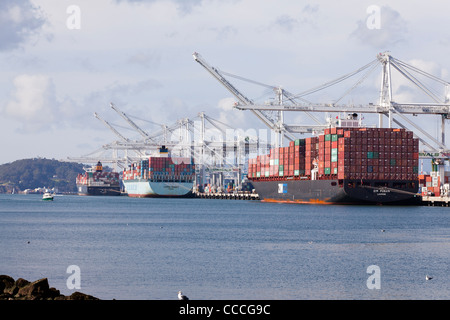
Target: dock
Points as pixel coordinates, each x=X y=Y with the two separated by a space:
x=229 y=196
x=431 y=201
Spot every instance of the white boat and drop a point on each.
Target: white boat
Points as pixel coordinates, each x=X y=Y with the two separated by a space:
x=47 y=196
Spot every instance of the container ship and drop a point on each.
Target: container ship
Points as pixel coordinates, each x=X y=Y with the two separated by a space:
x=160 y=176
x=96 y=182
x=341 y=166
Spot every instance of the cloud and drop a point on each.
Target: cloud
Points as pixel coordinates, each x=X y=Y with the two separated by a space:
x=145 y=59
x=392 y=30
x=122 y=93
x=225 y=32
x=184 y=6
x=307 y=17
x=33 y=102
x=19 y=20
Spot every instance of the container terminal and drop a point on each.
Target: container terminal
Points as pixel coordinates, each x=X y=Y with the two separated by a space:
x=339 y=160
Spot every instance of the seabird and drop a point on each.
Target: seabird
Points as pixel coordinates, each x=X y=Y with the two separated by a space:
x=427 y=277
x=181 y=296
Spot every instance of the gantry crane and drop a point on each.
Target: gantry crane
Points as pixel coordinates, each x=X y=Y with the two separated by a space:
x=216 y=158
x=386 y=106
x=109 y=126
x=130 y=122
x=275 y=123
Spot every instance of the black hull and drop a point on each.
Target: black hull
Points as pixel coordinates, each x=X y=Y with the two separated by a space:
x=84 y=190
x=339 y=191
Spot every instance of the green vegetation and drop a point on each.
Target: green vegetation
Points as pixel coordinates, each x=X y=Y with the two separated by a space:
x=35 y=173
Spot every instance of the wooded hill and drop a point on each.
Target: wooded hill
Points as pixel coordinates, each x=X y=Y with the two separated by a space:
x=38 y=172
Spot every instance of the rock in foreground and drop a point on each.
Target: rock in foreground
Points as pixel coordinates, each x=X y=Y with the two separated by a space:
x=22 y=289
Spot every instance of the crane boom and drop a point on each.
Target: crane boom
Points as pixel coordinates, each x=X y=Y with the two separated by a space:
x=242 y=98
x=216 y=74
x=106 y=123
x=130 y=122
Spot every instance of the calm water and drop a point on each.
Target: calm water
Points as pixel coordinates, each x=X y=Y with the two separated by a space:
x=224 y=249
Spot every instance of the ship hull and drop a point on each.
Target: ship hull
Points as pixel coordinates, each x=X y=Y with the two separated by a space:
x=84 y=190
x=152 y=189
x=338 y=191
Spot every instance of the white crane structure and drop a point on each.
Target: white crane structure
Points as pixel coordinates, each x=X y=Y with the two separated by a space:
x=396 y=112
x=220 y=151
x=273 y=119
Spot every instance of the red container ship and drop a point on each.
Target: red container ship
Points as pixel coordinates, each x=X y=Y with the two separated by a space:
x=96 y=182
x=341 y=166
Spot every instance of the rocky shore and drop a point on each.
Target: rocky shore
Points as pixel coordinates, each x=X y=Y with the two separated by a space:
x=22 y=289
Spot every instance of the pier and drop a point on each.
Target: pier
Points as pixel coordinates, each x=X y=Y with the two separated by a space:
x=229 y=196
x=432 y=201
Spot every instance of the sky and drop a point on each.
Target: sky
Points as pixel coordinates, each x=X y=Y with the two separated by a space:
x=63 y=60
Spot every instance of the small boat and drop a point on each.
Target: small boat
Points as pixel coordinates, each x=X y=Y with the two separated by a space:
x=47 y=196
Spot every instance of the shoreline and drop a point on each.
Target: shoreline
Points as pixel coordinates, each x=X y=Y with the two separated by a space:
x=22 y=289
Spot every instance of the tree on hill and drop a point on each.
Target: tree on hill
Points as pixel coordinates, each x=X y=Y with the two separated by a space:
x=37 y=172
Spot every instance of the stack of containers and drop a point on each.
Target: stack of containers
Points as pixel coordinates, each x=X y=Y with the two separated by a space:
x=283 y=161
x=157 y=168
x=98 y=178
x=144 y=169
x=299 y=157
x=378 y=154
x=251 y=169
x=344 y=153
x=311 y=153
x=431 y=184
